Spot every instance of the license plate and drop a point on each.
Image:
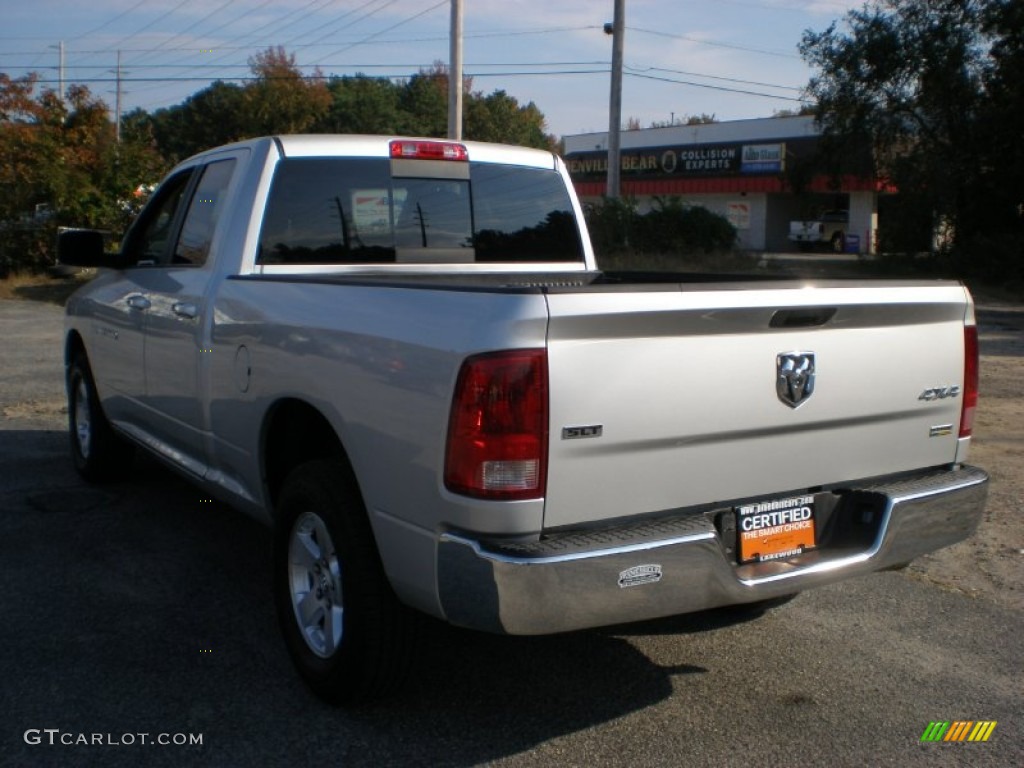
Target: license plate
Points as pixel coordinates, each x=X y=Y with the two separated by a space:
x=775 y=529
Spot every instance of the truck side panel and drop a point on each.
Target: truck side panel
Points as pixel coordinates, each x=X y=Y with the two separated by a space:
x=379 y=364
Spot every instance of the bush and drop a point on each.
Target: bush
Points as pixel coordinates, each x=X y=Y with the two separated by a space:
x=993 y=257
x=670 y=227
x=25 y=249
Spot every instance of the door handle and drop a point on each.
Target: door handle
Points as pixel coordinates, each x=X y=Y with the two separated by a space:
x=185 y=309
x=138 y=301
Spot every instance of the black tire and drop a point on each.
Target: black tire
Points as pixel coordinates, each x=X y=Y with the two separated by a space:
x=346 y=632
x=98 y=453
x=838 y=242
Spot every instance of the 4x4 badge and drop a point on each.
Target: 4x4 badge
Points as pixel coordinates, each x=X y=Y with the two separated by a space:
x=794 y=377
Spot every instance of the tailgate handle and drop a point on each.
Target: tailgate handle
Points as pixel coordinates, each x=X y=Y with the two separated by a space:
x=802 y=317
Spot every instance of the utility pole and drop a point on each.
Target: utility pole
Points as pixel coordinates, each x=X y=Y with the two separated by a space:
x=455 y=73
x=60 y=68
x=618 y=33
x=61 y=74
x=117 y=102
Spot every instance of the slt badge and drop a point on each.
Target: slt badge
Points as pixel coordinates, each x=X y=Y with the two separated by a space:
x=794 y=377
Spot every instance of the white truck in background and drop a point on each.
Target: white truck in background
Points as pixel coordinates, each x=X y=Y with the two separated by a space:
x=829 y=230
x=402 y=356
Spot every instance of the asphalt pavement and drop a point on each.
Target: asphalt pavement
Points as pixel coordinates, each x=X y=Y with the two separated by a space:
x=137 y=613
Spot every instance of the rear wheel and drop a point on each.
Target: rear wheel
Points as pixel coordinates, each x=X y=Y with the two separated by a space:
x=346 y=632
x=96 y=450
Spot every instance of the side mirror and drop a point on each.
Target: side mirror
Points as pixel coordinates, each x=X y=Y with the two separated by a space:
x=83 y=248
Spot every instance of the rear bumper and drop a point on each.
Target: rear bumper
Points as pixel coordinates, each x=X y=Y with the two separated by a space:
x=678 y=566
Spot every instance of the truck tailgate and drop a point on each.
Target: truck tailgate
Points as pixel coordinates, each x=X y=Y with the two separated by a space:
x=666 y=397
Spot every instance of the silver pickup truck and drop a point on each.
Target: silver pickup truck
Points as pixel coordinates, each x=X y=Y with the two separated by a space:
x=402 y=356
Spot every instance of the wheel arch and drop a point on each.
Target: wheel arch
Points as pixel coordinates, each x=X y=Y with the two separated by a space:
x=295 y=432
x=73 y=345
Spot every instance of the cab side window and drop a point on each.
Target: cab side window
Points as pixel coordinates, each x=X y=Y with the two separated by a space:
x=203 y=213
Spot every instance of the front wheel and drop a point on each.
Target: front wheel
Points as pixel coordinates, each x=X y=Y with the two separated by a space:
x=96 y=450
x=346 y=632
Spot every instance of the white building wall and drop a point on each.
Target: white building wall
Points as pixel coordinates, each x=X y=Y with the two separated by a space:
x=757 y=129
x=864 y=220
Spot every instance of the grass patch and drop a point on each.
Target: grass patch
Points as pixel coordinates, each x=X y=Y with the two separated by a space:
x=53 y=290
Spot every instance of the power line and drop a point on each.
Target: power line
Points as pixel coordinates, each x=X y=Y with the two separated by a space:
x=347 y=25
x=594 y=68
x=303 y=14
x=107 y=23
x=143 y=28
x=713 y=43
x=314 y=78
x=639 y=70
x=352 y=65
x=633 y=70
x=835 y=6
x=396 y=41
x=368 y=38
x=193 y=25
x=345 y=15
x=716 y=87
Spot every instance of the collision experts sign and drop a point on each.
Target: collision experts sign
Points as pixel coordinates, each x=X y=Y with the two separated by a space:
x=689 y=161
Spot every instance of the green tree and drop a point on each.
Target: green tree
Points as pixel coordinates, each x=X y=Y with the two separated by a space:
x=500 y=118
x=805 y=110
x=213 y=116
x=64 y=158
x=497 y=117
x=362 y=104
x=999 y=206
x=282 y=99
x=25 y=133
x=424 y=103
x=918 y=79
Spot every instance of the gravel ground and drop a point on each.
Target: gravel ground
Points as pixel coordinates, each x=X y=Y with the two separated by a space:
x=991 y=563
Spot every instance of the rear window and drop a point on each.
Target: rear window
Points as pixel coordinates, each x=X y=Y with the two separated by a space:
x=352 y=211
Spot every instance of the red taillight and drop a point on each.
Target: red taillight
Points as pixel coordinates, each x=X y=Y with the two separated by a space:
x=970 y=380
x=428 y=150
x=498 y=429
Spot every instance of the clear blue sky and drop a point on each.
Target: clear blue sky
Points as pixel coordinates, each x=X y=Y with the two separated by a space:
x=680 y=56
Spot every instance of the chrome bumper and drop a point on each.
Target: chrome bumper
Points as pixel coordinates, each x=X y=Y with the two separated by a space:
x=671 y=567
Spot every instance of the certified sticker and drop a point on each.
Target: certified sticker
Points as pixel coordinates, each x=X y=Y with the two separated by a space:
x=775 y=529
x=639 y=575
